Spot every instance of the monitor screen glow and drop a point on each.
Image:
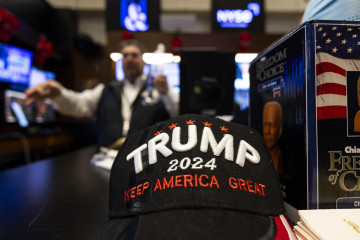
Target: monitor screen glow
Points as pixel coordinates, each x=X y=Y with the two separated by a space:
x=242 y=85
x=134 y=16
x=170 y=70
x=234 y=15
x=38 y=76
x=15 y=64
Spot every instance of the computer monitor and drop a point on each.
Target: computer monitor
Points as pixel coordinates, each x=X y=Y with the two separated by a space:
x=15 y=64
x=38 y=76
x=16 y=110
x=207 y=82
x=242 y=85
x=171 y=70
x=133 y=16
x=242 y=79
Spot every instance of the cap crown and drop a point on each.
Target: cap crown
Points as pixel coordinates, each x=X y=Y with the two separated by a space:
x=191 y=162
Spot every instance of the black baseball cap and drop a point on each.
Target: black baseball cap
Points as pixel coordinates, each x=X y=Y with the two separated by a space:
x=195 y=177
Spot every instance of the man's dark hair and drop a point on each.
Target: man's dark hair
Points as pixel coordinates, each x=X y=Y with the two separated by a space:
x=132 y=42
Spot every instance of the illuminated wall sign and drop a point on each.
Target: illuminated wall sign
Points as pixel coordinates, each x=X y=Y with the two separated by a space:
x=133 y=15
x=238 y=15
x=237 y=18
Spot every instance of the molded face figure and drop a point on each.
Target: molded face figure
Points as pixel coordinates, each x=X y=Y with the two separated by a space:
x=272 y=124
x=358 y=91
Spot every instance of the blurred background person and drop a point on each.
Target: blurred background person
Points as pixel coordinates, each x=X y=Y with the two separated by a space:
x=120 y=107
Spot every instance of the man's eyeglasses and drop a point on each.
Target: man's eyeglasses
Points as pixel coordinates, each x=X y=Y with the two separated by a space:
x=134 y=55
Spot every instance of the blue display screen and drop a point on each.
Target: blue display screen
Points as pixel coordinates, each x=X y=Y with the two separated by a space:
x=238 y=18
x=242 y=84
x=170 y=70
x=15 y=64
x=38 y=76
x=134 y=15
x=237 y=15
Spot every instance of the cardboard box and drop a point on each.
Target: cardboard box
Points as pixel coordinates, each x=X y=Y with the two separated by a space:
x=312 y=75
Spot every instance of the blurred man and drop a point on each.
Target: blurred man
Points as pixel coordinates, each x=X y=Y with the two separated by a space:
x=272 y=130
x=119 y=107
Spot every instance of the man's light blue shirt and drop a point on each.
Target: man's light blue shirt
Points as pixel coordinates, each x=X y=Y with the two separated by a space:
x=333 y=10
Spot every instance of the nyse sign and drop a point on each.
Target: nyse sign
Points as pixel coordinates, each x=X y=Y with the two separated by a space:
x=237 y=18
x=233 y=15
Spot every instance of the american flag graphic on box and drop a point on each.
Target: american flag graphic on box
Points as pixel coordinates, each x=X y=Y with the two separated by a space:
x=319 y=127
x=337 y=51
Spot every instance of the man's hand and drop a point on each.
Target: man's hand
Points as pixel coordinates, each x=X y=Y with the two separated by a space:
x=161 y=84
x=49 y=89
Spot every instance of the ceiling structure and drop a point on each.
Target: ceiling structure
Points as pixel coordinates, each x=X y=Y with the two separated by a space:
x=186 y=16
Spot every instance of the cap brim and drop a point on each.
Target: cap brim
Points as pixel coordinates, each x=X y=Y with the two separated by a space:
x=192 y=224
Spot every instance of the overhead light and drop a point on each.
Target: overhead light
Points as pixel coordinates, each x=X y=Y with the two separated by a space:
x=158 y=58
x=177 y=59
x=150 y=58
x=115 y=56
x=245 y=57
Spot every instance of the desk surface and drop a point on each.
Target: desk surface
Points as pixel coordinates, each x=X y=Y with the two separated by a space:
x=64 y=197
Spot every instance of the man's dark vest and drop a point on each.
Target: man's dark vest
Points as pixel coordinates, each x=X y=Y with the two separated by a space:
x=109 y=116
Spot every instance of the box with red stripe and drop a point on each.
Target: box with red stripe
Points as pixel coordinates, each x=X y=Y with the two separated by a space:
x=305 y=99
